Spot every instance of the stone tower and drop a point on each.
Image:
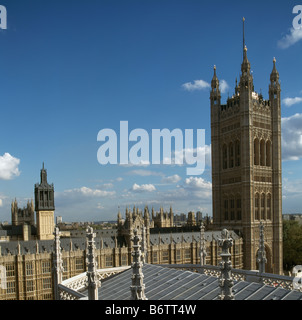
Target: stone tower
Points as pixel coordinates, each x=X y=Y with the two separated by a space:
x=44 y=206
x=246 y=165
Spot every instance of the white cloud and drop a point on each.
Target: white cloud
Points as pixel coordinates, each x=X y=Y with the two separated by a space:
x=291 y=101
x=1 y=203
x=223 y=86
x=142 y=163
x=9 y=167
x=196 y=85
x=172 y=179
x=144 y=173
x=202 y=85
x=290 y=39
x=205 y=150
x=198 y=183
x=88 y=192
x=143 y=188
x=292 y=137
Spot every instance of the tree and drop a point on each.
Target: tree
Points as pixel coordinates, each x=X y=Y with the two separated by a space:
x=292 y=244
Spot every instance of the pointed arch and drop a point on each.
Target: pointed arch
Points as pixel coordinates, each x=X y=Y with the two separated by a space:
x=262 y=153
x=257 y=206
x=268 y=153
x=256 y=152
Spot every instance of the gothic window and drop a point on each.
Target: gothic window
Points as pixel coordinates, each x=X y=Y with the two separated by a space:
x=237 y=153
x=79 y=265
x=231 y=155
x=232 y=209
x=226 y=210
x=256 y=152
x=46 y=267
x=47 y=283
x=188 y=255
x=108 y=260
x=10 y=287
x=262 y=153
x=268 y=153
x=257 y=206
x=165 y=256
x=29 y=268
x=178 y=255
x=154 y=257
x=262 y=205
x=10 y=270
x=238 y=208
x=224 y=157
x=124 y=260
x=29 y=285
x=268 y=206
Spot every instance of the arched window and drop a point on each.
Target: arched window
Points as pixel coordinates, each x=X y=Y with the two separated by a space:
x=269 y=206
x=238 y=208
x=237 y=153
x=257 y=206
x=224 y=157
x=262 y=206
x=256 y=152
x=226 y=210
x=231 y=155
x=268 y=154
x=232 y=208
x=262 y=153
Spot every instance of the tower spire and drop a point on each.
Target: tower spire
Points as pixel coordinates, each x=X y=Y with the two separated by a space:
x=243 y=19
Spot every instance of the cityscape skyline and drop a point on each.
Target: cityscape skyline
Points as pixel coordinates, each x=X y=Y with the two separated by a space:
x=86 y=67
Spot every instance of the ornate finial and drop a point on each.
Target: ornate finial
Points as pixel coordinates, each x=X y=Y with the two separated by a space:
x=261 y=259
x=243 y=20
x=138 y=287
x=58 y=263
x=225 y=281
x=144 y=245
x=93 y=281
x=203 y=251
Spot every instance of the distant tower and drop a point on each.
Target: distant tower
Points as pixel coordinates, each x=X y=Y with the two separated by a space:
x=44 y=206
x=246 y=164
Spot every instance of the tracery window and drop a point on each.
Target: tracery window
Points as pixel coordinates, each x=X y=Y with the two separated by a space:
x=257 y=206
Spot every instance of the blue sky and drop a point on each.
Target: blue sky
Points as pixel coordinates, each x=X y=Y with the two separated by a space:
x=72 y=68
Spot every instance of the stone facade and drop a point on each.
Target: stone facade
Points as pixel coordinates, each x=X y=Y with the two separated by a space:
x=246 y=165
x=30 y=267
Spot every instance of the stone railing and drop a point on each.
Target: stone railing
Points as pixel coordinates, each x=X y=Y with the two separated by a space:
x=69 y=288
x=270 y=279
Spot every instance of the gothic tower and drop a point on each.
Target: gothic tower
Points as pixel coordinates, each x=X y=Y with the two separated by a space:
x=246 y=165
x=44 y=206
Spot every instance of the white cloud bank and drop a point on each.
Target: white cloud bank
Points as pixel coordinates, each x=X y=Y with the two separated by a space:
x=171 y=179
x=198 y=85
x=292 y=137
x=143 y=188
x=290 y=39
x=288 y=102
x=9 y=167
x=87 y=192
